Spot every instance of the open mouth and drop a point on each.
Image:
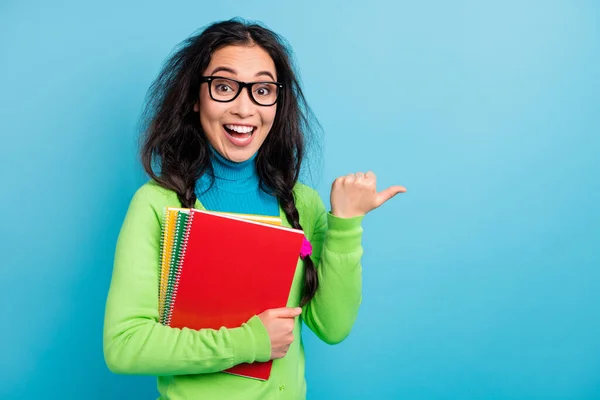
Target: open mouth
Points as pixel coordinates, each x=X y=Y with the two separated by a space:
x=239 y=131
x=239 y=135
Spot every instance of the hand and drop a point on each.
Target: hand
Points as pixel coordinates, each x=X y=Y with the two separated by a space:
x=355 y=195
x=280 y=326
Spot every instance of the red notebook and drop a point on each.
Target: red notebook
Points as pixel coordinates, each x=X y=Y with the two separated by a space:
x=230 y=270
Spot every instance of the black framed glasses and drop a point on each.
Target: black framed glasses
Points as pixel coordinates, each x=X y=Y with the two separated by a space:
x=226 y=89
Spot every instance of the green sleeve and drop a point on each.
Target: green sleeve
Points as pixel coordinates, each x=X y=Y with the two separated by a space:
x=134 y=341
x=337 y=253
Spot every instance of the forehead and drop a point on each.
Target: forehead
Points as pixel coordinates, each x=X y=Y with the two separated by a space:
x=246 y=61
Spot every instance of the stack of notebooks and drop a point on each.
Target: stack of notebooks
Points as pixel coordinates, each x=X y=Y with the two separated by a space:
x=218 y=270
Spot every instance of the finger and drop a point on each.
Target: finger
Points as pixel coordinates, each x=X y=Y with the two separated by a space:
x=388 y=193
x=286 y=312
x=370 y=175
x=340 y=180
x=360 y=175
x=290 y=325
x=350 y=178
x=337 y=182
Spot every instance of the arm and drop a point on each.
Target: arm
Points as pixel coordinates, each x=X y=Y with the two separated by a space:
x=134 y=341
x=337 y=253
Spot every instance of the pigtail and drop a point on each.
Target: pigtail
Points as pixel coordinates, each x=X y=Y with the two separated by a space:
x=311 y=281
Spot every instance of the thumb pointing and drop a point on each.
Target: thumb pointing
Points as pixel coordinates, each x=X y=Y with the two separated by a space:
x=388 y=193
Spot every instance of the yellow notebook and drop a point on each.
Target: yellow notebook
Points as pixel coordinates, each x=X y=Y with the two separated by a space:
x=258 y=218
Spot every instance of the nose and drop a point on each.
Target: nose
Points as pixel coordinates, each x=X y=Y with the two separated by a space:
x=243 y=106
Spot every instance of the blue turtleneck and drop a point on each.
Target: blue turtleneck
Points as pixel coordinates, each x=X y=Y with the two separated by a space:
x=236 y=188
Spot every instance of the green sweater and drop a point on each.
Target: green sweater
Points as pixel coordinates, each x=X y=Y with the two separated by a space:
x=187 y=362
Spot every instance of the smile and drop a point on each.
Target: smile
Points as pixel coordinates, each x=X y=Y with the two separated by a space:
x=239 y=129
x=239 y=135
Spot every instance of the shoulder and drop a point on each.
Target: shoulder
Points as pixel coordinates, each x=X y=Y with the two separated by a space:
x=308 y=202
x=305 y=194
x=152 y=192
x=152 y=198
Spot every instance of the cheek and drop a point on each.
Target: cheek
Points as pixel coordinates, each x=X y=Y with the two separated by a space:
x=210 y=111
x=268 y=117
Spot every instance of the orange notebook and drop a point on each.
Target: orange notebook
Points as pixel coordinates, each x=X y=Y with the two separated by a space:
x=229 y=270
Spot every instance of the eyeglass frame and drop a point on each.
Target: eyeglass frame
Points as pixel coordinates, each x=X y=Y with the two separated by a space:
x=242 y=85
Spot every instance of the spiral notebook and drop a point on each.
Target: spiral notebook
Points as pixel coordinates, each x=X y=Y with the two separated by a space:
x=174 y=225
x=220 y=269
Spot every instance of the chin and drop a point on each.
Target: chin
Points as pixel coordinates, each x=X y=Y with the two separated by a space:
x=237 y=155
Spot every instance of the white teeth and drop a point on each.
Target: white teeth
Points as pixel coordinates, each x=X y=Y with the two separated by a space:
x=240 y=129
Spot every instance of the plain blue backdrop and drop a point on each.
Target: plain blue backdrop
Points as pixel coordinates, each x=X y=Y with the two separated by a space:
x=481 y=282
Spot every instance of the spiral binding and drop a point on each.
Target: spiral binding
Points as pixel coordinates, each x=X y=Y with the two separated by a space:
x=179 y=225
x=181 y=258
x=169 y=254
x=165 y=255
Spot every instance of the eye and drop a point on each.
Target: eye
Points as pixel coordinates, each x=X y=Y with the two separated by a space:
x=263 y=91
x=223 y=88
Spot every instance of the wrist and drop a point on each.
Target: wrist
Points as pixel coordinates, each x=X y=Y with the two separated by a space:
x=346 y=214
x=344 y=235
x=252 y=342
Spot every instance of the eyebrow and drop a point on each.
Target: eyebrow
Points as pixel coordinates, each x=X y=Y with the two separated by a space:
x=267 y=73
x=232 y=71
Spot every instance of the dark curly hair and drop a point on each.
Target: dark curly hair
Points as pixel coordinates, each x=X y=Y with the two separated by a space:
x=175 y=144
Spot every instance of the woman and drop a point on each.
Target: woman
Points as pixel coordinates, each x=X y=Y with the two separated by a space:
x=227 y=125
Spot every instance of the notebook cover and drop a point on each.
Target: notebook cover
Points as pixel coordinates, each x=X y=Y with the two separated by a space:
x=233 y=269
x=171 y=220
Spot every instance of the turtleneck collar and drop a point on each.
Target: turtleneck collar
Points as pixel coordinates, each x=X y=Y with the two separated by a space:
x=227 y=170
x=234 y=187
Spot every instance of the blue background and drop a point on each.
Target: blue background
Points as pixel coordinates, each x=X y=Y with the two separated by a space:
x=481 y=282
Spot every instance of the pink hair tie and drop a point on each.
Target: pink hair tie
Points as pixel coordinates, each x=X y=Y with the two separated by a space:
x=306 y=249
